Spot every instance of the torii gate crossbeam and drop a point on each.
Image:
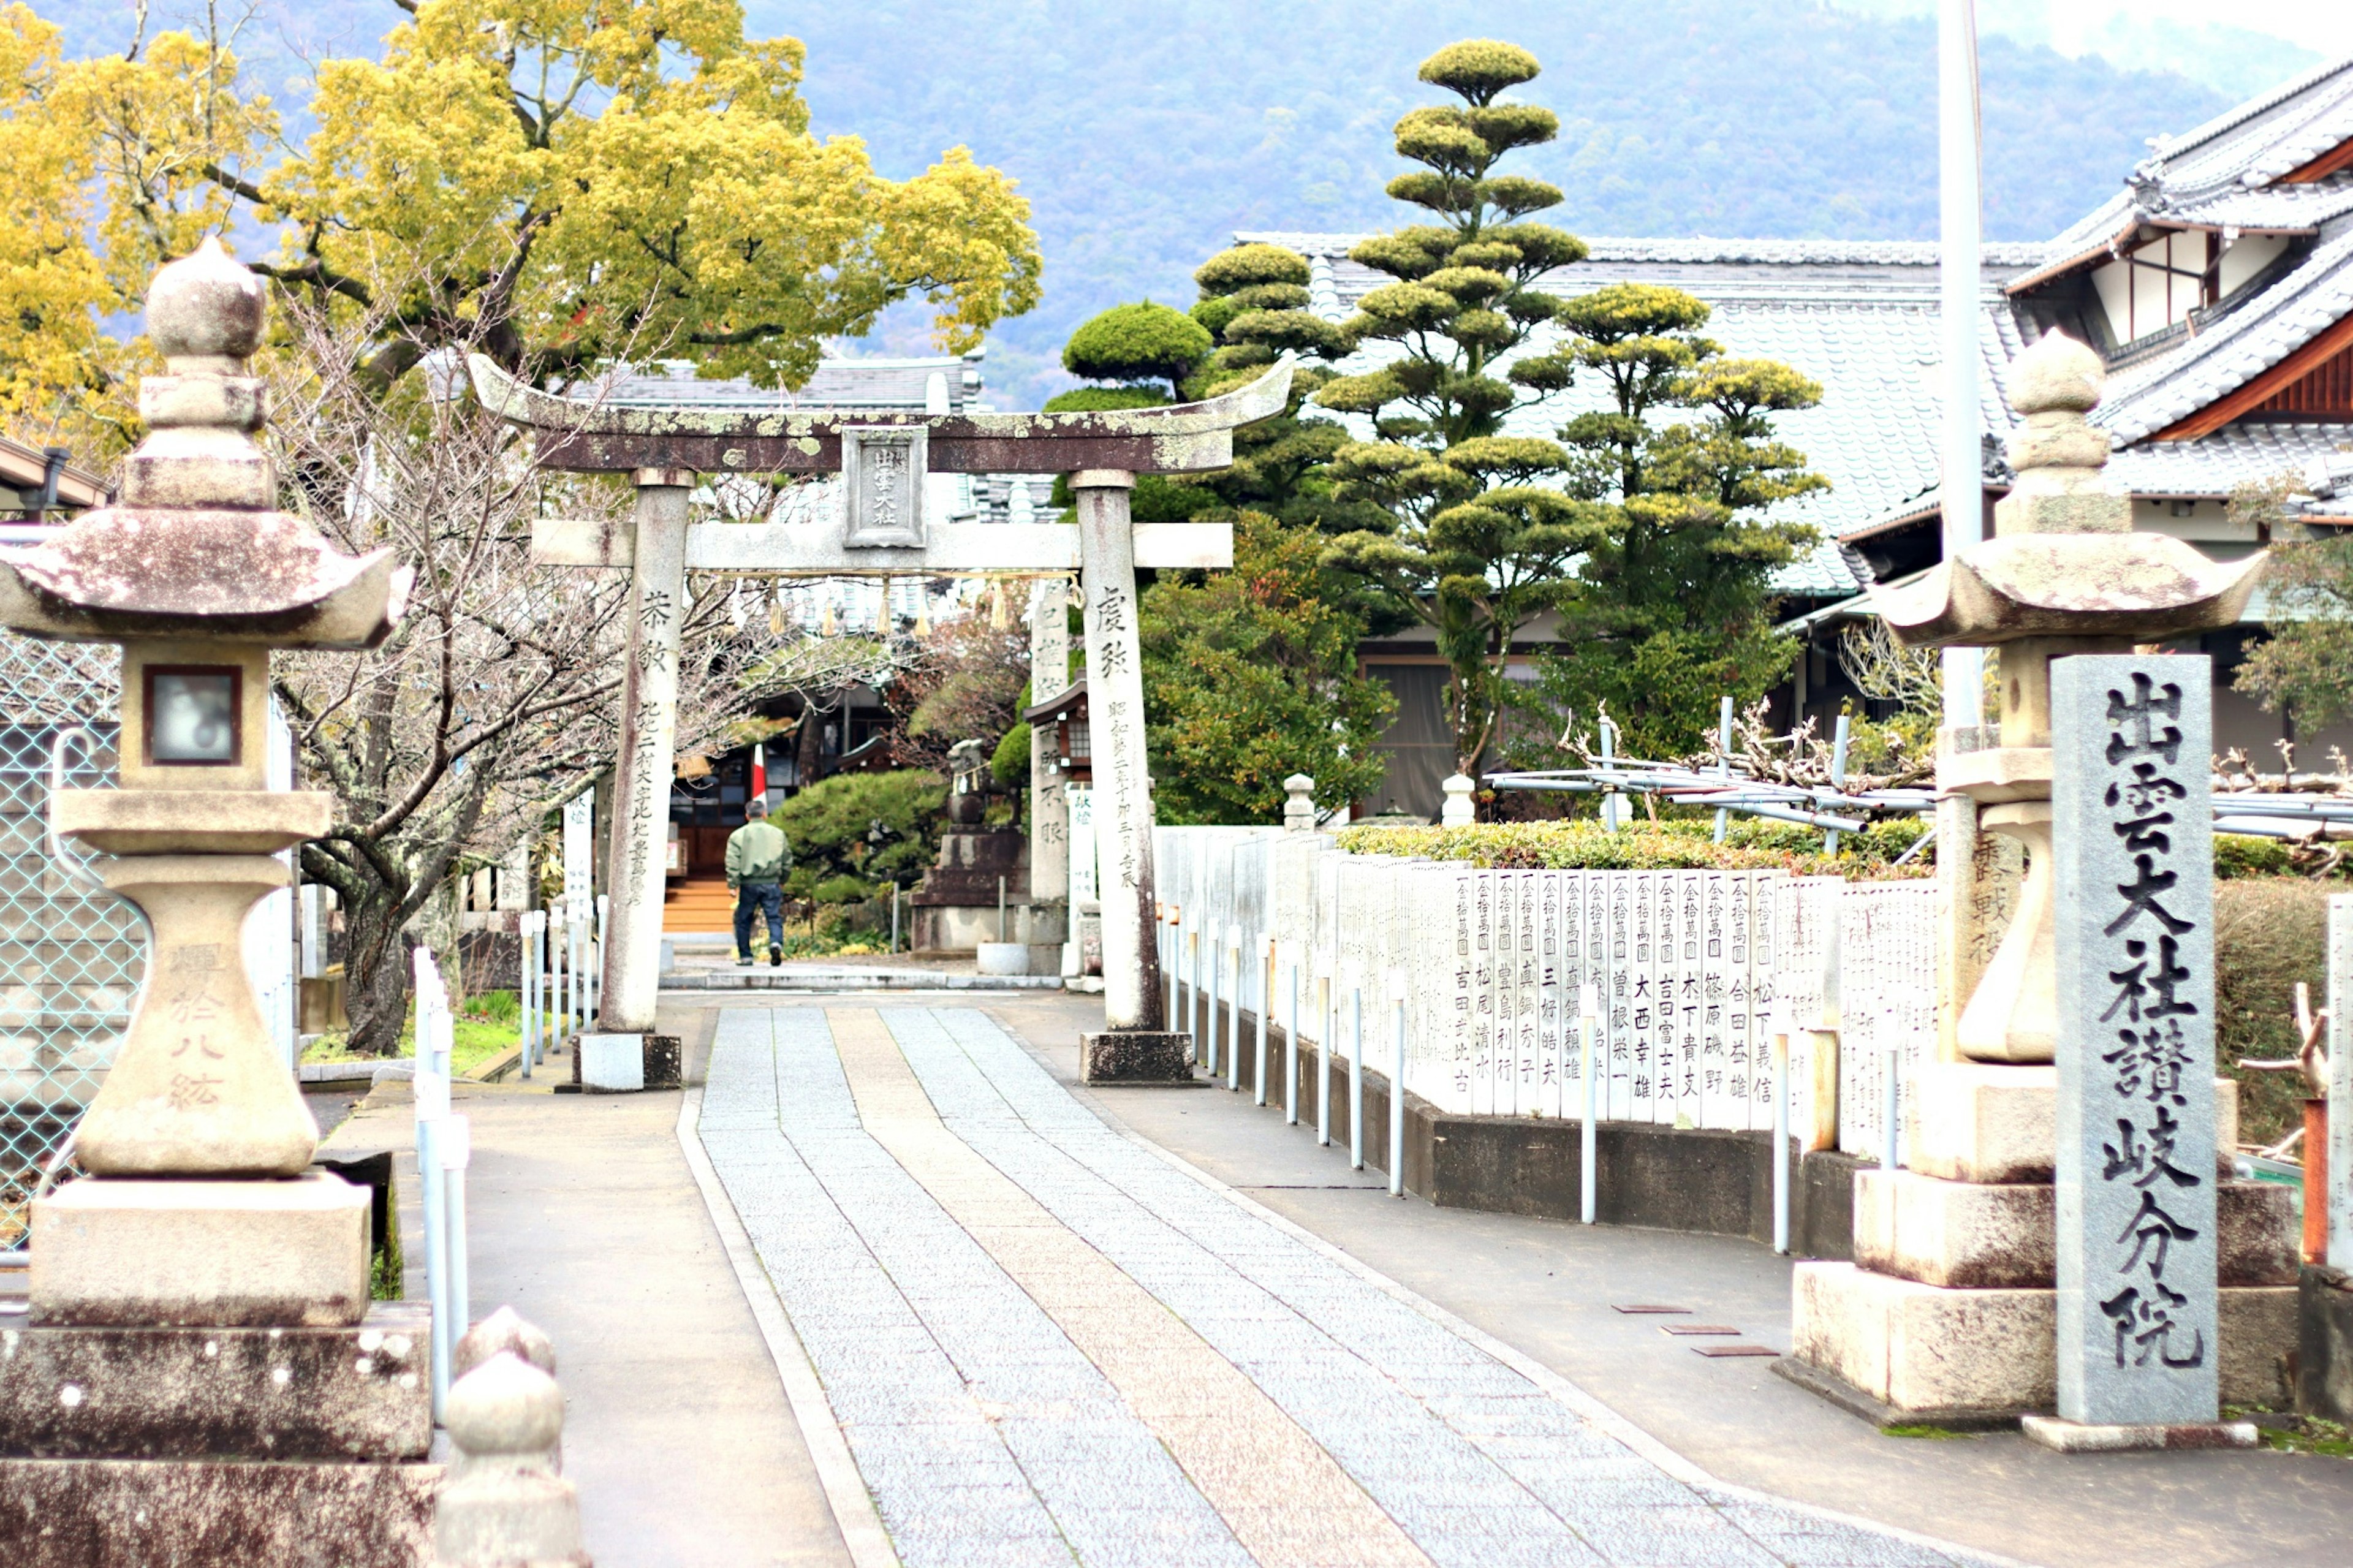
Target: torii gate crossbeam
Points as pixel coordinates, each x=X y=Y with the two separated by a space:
x=884 y=459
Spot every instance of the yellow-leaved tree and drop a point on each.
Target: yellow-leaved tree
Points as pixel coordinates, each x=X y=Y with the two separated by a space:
x=56 y=365
x=559 y=181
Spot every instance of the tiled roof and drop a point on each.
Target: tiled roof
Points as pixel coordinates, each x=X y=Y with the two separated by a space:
x=2241 y=342
x=876 y=384
x=2213 y=465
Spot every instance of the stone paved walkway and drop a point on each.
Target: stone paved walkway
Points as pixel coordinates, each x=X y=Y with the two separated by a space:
x=1046 y=1342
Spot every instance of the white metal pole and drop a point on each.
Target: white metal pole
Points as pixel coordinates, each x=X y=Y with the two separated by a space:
x=1960 y=219
x=1723 y=758
x=1217 y=962
x=1234 y=1015
x=1609 y=758
x=1588 y=1015
x=1193 y=992
x=1781 y=1134
x=597 y=956
x=1175 y=963
x=1327 y=1006
x=1291 y=1054
x=1357 y=1076
x=454 y=1147
x=1838 y=777
x=522 y=989
x=1891 y=1065
x=1397 y=1094
x=1265 y=1000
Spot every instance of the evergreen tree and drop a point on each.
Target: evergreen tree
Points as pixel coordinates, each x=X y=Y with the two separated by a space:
x=1254 y=300
x=1671 y=607
x=1640 y=525
x=1250 y=676
x=1473 y=537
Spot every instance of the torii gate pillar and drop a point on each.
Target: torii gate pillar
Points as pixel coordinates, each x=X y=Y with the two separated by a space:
x=641 y=773
x=884 y=459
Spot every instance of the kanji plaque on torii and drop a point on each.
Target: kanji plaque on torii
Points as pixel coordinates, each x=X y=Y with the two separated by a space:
x=885 y=532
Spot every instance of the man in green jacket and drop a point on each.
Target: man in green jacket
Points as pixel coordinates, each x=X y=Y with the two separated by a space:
x=758 y=855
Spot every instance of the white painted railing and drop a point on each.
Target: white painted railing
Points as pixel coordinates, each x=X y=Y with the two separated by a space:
x=1686 y=967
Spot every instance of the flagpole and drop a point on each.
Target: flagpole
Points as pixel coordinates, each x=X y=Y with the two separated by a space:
x=1962 y=316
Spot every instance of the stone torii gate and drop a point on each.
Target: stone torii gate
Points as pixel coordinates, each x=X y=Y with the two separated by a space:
x=884 y=459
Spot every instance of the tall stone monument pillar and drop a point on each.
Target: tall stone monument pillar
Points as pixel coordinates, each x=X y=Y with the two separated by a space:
x=201 y=1251
x=2133 y=829
x=1136 y=1044
x=1949 y=1311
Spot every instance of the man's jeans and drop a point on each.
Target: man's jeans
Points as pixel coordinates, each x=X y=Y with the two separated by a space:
x=752 y=900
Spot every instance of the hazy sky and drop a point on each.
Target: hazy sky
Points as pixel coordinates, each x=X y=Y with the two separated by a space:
x=2325 y=26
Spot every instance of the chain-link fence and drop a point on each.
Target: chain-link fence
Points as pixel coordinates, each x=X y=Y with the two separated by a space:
x=70 y=957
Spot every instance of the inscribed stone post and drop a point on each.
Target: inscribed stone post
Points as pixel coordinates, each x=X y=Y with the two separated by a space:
x=643 y=764
x=1050 y=812
x=1691 y=987
x=1569 y=975
x=1550 y=887
x=2133 y=843
x=1666 y=937
x=1462 y=1004
x=1716 y=1106
x=1083 y=930
x=1132 y=995
x=1647 y=1010
x=1507 y=991
x=1623 y=999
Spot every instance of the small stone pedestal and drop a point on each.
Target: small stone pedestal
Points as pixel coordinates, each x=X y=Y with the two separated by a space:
x=1137 y=1056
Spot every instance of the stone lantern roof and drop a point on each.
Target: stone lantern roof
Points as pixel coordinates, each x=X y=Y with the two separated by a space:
x=195 y=546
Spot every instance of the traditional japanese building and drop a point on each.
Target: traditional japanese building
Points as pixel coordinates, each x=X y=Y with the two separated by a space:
x=2217 y=284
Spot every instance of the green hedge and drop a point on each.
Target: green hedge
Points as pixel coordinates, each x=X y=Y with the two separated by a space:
x=1688 y=844
x=1583 y=845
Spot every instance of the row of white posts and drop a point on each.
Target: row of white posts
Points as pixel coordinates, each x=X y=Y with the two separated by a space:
x=563 y=972
x=443 y=1149
x=1738 y=1000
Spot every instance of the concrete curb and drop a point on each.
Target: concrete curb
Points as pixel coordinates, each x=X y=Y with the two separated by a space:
x=831 y=981
x=844 y=1489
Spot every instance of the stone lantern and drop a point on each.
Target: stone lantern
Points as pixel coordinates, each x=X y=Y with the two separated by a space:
x=1946 y=1312
x=199 y=1211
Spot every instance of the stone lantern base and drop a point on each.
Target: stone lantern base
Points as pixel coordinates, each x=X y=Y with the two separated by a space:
x=1949 y=1314
x=266 y=1446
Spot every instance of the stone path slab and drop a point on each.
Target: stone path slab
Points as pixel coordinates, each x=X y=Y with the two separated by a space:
x=1046 y=1342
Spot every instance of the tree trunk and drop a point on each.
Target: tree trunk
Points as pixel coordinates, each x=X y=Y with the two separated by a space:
x=376 y=972
x=808 y=752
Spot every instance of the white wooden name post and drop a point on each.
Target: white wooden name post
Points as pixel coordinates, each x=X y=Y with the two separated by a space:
x=884 y=459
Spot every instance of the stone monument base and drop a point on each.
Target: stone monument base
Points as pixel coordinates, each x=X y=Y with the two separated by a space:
x=2093 y=1438
x=125 y=1252
x=353 y=1392
x=624 y=1064
x=1135 y=1056
x=1979 y=1236
x=256 y=1445
x=1929 y=1352
x=74 y=1513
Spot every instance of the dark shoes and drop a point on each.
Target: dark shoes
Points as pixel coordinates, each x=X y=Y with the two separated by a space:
x=776 y=957
x=743 y=960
